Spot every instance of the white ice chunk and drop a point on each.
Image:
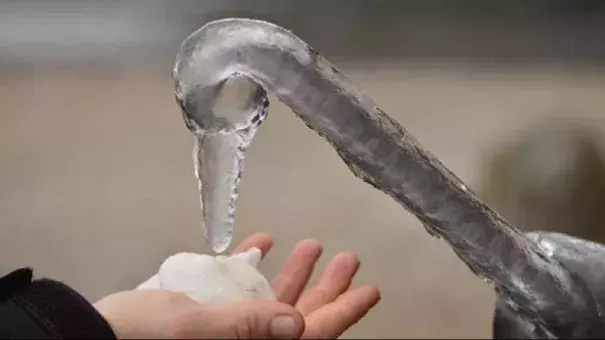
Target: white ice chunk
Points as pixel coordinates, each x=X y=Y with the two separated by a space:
x=214 y=280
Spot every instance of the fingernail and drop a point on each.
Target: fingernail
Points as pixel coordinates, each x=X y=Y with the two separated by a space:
x=284 y=327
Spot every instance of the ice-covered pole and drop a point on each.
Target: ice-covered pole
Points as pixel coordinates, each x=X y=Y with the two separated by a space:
x=382 y=153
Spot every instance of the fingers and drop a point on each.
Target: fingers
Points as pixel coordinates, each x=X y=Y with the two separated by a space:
x=334 y=281
x=295 y=274
x=244 y=320
x=333 y=319
x=261 y=241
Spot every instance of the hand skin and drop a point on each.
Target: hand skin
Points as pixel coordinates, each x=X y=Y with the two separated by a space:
x=325 y=311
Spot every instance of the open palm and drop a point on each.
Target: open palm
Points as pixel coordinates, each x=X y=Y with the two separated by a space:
x=331 y=306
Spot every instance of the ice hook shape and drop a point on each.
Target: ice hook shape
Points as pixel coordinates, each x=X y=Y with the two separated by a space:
x=261 y=57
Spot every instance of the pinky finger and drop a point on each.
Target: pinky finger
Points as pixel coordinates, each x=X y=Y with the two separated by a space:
x=333 y=319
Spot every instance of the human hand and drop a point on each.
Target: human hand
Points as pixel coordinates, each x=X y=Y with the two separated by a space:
x=162 y=314
x=328 y=309
x=331 y=306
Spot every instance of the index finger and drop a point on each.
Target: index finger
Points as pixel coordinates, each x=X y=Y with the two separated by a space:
x=261 y=241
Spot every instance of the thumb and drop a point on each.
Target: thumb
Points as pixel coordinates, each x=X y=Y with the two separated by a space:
x=249 y=320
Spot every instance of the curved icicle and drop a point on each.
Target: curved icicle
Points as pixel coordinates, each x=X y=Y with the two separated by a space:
x=382 y=153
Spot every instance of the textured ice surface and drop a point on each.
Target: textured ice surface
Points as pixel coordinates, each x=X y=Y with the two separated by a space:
x=213 y=280
x=584 y=258
x=382 y=153
x=223 y=130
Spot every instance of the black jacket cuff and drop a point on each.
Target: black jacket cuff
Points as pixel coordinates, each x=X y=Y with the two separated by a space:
x=56 y=310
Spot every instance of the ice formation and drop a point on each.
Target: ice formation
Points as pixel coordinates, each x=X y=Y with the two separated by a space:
x=213 y=279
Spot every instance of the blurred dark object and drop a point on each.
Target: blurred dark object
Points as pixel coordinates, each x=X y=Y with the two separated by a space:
x=550 y=179
x=584 y=258
x=467 y=31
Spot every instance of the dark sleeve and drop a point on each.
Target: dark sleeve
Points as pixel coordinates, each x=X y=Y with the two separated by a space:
x=46 y=309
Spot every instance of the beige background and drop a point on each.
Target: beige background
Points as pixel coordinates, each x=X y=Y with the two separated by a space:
x=96 y=183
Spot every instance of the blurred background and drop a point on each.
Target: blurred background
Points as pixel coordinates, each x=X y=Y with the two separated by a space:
x=96 y=176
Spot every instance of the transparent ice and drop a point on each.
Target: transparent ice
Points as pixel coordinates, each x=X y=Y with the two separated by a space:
x=223 y=131
x=550 y=299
